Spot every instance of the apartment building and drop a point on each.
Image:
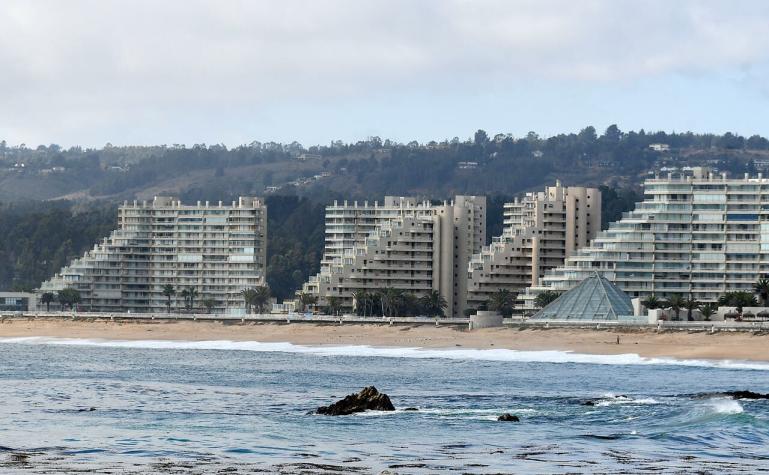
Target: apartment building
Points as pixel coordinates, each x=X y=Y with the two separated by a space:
x=403 y=244
x=541 y=230
x=216 y=249
x=697 y=234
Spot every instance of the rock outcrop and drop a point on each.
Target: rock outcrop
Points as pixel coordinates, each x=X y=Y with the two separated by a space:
x=369 y=399
x=507 y=417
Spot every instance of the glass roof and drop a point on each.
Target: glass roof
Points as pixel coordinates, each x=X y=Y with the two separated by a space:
x=595 y=298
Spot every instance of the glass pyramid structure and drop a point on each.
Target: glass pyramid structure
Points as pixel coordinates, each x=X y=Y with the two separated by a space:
x=595 y=298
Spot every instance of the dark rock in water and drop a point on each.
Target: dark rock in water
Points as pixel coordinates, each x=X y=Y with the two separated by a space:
x=87 y=409
x=411 y=409
x=369 y=399
x=733 y=395
x=746 y=395
x=588 y=403
x=506 y=417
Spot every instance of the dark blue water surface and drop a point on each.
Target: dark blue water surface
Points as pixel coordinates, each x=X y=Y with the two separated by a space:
x=194 y=410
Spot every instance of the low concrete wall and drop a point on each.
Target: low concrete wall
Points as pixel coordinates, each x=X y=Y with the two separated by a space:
x=485 y=319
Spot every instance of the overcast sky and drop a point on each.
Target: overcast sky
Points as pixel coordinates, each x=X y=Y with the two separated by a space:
x=184 y=71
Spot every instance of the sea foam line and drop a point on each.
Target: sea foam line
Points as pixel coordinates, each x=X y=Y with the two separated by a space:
x=498 y=354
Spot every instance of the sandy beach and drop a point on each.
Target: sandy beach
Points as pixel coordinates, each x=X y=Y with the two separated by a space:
x=674 y=344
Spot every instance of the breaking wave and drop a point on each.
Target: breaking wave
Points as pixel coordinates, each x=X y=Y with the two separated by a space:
x=545 y=356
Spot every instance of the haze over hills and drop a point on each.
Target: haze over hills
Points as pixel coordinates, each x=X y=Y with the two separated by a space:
x=57 y=202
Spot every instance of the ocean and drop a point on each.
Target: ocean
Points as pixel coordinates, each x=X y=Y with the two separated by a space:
x=240 y=407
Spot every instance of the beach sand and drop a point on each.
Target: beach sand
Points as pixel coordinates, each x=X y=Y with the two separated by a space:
x=648 y=343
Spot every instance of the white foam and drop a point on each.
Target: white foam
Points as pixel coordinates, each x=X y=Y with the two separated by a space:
x=725 y=406
x=627 y=400
x=549 y=356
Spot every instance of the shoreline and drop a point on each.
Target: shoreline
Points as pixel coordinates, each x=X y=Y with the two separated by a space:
x=645 y=343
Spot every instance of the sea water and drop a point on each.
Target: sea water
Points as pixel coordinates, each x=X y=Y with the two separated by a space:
x=200 y=407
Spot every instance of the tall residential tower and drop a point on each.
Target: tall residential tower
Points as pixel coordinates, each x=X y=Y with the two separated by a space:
x=216 y=249
x=541 y=230
x=697 y=235
x=401 y=244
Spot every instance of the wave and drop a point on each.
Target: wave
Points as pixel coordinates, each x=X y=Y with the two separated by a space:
x=502 y=355
x=725 y=406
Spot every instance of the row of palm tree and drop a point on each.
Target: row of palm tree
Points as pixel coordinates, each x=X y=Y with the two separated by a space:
x=189 y=295
x=67 y=297
x=677 y=303
x=390 y=302
x=256 y=298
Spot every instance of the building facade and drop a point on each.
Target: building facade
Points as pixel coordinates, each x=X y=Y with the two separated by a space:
x=697 y=234
x=401 y=244
x=541 y=230
x=17 y=301
x=218 y=250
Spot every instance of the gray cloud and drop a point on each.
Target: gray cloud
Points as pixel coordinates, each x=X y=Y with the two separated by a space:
x=81 y=70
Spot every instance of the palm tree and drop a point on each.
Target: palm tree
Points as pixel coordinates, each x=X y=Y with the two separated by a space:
x=334 y=304
x=690 y=305
x=408 y=305
x=707 y=310
x=189 y=295
x=761 y=287
x=47 y=298
x=503 y=301
x=168 y=292
x=69 y=297
x=676 y=303
x=738 y=300
x=261 y=297
x=209 y=303
x=433 y=303
x=248 y=298
x=362 y=301
x=546 y=297
x=651 y=302
x=306 y=300
x=391 y=300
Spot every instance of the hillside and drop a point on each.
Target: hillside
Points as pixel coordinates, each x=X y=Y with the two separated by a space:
x=501 y=165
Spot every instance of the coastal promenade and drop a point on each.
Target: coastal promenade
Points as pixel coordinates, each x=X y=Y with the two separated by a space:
x=515 y=323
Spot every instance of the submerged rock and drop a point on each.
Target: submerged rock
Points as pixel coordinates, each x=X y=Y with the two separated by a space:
x=588 y=403
x=507 y=417
x=411 y=409
x=369 y=399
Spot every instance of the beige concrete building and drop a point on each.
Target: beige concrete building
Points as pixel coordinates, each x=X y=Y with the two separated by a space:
x=402 y=244
x=695 y=234
x=541 y=230
x=214 y=248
